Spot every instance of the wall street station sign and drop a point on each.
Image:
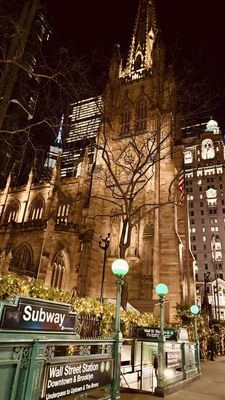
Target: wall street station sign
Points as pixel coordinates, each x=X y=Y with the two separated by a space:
x=37 y=315
x=173 y=359
x=153 y=333
x=73 y=378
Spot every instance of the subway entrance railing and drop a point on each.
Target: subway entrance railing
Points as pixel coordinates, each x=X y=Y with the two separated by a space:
x=138 y=372
x=42 y=357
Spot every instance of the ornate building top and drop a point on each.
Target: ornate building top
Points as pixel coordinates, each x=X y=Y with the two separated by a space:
x=212 y=126
x=145 y=31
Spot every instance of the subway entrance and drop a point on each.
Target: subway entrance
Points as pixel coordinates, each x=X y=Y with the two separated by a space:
x=137 y=365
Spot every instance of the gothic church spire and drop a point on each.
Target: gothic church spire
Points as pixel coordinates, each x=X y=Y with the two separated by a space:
x=140 y=56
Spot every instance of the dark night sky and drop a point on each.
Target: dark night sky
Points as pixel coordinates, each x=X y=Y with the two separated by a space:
x=196 y=25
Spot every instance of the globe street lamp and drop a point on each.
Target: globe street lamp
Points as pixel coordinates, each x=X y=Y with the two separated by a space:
x=161 y=290
x=194 y=309
x=120 y=268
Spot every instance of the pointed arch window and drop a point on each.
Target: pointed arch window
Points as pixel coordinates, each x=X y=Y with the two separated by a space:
x=63 y=212
x=58 y=270
x=141 y=116
x=36 y=210
x=22 y=261
x=12 y=212
x=125 y=121
x=138 y=62
x=208 y=150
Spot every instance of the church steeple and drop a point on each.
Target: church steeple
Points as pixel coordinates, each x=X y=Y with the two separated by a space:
x=140 y=56
x=58 y=140
x=56 y=149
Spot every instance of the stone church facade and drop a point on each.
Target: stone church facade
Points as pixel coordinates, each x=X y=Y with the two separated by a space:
x=50 y=230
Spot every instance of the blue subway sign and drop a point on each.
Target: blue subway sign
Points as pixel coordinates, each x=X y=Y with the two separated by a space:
x=37 y=315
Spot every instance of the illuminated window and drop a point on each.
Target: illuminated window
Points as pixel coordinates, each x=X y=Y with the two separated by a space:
x=208 y=150
x=188 y=157
x=63 y=213
x=211 y=196
x=209 y=171
x=58 y=270
x=12 y=212
x=36 y=210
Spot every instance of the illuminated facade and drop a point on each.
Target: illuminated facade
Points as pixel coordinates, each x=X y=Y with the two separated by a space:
x=50 y=230
x=204 y=159
x=84 y=123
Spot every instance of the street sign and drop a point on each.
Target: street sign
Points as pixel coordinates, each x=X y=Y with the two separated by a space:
x=173 y=359
x=182 y=335
x=73 y=378
x=37 y=315
x=153 y=333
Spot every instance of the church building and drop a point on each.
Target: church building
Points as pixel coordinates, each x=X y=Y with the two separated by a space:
x=120 y=198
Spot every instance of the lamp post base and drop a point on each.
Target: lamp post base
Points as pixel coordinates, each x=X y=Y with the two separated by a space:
x=159 y=391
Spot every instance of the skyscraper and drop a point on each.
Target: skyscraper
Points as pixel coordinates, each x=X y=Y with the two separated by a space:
x=205 y=185
x=24 y=34
x=84 y=122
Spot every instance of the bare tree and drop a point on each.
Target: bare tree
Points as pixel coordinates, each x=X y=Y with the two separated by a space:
x=128 y=168
x=126 y=172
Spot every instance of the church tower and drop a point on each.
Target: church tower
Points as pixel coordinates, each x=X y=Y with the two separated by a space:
x=134 y=190
x=121 y=201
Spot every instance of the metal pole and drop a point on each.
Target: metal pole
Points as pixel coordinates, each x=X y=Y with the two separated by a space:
x=206 y=300
x=103 y=275
x=117 y=337
x=214 y=296
x=161 y=352
x=197 y=355
x=217 y=293
x=105 y=247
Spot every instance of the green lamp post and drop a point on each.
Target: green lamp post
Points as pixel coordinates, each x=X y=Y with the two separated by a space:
x=120 y=268
x=194 y=309
x=161 y=290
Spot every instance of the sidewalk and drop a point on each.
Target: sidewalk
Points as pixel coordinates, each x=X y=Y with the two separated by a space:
x=211 y=385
